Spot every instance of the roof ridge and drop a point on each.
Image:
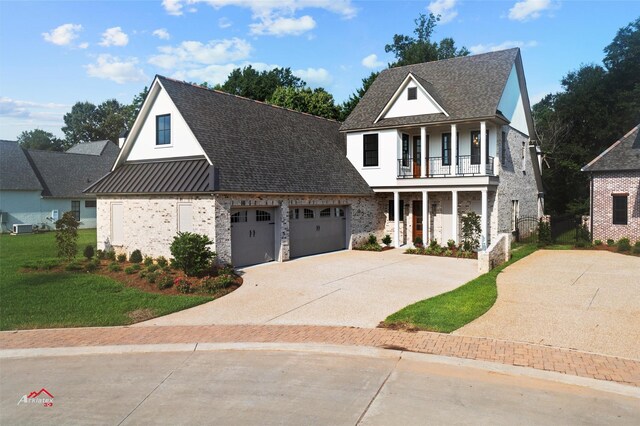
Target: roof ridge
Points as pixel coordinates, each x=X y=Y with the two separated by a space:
x=454 y=58
x=609 y=149
x=248 y=99
x=63 y=152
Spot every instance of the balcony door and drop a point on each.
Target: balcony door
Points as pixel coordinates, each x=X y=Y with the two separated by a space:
x=417 y=156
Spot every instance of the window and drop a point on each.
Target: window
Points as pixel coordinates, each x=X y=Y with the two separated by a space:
x=90 y=204
x=391 y=212
x=446 y=149
x=294 y=214
x=75 y=209
x=308 y=214
x=239 y=217
x=515 y=212
x=412 y=93
x=339 y=212
x=620 y=211
x=405 y=150
x=370 y=150
x=262 y=216
x=504 y=148
x=325 y=212
x=163 y=129
x=475 y=147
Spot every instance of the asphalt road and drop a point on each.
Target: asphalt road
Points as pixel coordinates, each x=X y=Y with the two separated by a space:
x=268 y=387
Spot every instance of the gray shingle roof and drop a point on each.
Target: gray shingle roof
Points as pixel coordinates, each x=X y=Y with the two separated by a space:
x=261 y=148
x=92 y=148
x=15 y=171
x=466 y=87
x=622 y=155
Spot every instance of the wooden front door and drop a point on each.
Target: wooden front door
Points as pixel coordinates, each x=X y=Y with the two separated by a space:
x=417 y=219
x=417 y=156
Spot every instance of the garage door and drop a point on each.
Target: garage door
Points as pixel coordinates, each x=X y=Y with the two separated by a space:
x=315 y=230
x=252 y=236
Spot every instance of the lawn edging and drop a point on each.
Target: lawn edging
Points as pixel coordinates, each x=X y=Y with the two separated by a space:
x=450 y=311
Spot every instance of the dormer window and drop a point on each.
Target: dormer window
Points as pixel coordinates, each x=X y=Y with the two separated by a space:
x=163 y=129
x=412 y=93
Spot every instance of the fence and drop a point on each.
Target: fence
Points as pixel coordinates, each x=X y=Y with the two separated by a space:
x=565 y=229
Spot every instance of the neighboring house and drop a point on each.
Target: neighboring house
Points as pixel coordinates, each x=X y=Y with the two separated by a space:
x=615 y=190
x=439 y=139
x=37 y=187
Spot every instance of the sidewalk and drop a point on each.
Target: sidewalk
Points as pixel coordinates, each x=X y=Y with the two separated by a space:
x=583 y=364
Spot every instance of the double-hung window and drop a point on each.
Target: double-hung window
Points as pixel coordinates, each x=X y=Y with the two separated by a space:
x=446 y=149
x=370 y=150
x=620 y=209
x=163 y=129
x=405 y=150
x=75 y=209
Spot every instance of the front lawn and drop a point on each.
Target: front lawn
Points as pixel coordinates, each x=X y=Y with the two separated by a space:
x=449 y=311
x=70 y=299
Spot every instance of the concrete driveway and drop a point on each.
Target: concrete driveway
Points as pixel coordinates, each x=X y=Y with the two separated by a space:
x=347 y=288
x=586 y=300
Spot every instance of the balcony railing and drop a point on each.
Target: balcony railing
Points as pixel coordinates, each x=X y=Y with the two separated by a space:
x=466 y=165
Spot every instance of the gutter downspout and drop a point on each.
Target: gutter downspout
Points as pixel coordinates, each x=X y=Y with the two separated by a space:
x=591 y=207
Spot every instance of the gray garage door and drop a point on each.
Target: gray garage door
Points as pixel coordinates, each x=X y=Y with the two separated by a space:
x=252 y=236
x=315 y=230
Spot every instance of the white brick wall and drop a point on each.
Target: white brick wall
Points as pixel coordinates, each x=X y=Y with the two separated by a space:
x=604 y=184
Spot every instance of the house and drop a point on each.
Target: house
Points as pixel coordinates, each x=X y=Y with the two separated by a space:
x=37 y=187
x=615 y=190
x=266 y=183
x=439 y=139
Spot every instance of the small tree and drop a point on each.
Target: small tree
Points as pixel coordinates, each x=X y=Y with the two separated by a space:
x=191 y=252
x=135 y=257
x=471 y=231
x=88 y=252
x=544 y=233
x=67 y=236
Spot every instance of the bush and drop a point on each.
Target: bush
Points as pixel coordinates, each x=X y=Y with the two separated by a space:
x=152 y=268
x=111 y=255
x=471 y=230
x=386 y=240
x=226 y=270
x=418 y=242
x=636 y=247
x=152 y=277
x=544 y=233
x=74 y=266
x=88 y=252
x=583 y=236
x=162 y=262
x=372 y=239
x=122 y=258
x=597 y=243
x=164 y=282
x=183 y=285
x=611 y=243
x=91 y=266
x=136 y=256
x=411 y=251
x=191 y=252
x=624 y=245
x=114 y=267
x=448 y=253
x=130 y=270
x=41 y=265
x=67 y=236
x=451 y=244
x=148 y=261
x=100 y=254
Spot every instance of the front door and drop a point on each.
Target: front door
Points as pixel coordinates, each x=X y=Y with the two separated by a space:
x=417 y=219
x=417 y=156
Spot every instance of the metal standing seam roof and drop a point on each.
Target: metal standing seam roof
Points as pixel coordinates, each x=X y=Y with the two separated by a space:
x=467 y=87
x=622 y=155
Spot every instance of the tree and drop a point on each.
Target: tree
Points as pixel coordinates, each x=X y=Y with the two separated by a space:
x=414 y=50
x=111 y=118
x=39 y=139
x=67 y=236
x=253 y=84
x=136 y=106
x=317 y=101
x=348 y=105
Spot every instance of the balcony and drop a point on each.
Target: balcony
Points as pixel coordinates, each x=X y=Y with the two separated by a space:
x=466 y=165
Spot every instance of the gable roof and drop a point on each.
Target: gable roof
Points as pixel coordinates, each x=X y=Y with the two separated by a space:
x=468 y=87
x=92 y=148
x=622 y=155
x=260 y=148
x=16 y=173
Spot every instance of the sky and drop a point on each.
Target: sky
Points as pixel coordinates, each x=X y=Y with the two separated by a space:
x=56 y=53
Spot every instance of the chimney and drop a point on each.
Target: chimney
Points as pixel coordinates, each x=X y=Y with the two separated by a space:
x=123 y=136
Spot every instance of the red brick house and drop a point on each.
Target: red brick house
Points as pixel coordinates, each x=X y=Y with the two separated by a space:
x=615 y=190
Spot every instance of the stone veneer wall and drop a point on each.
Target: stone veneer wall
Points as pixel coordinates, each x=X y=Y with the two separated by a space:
x=604 y=185
x=497 y=253
x=151 y=221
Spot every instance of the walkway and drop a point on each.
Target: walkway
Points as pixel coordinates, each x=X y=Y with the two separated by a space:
x=625 y=371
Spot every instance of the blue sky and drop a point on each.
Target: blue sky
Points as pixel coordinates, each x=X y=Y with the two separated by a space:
x=55 y=53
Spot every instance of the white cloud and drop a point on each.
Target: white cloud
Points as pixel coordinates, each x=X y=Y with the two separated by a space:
x=63 y=35
x=444 y=8
x=110 y=67
x=83 y=45
x=283 y=26
x=190 y=54
x=20 y=114
x=529 y=9
x=217 y=74
x=372 y=61
x=315 y=76
x=114 y=37
x=173 y=7
x=482 y=48
x=224 y=22
x=162 y=34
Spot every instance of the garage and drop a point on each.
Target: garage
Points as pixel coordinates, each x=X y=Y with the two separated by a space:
x=314 y=230
x=252 y=236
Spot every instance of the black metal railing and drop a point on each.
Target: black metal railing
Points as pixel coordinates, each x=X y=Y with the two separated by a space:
x=467 y=165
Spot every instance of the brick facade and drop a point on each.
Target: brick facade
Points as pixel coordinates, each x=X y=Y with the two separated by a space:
x=605 y=185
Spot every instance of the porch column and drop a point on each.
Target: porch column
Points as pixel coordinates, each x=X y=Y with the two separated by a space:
x=423 y=151
x=425 y=217
x=396 y=219
x=483 y=221
x=483 y=147
x=454 y=149
x=454 y=217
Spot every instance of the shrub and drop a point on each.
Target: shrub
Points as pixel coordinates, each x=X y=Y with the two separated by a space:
x=386 y=240
x=114 y=267
x=148 y=261
x=471 y=231
x=152 y=277
x=226 y=270
x=143 y=274
x=152 y=268
x=191 y=252
x=583 y=236
x=448 y=253
x=636 y=247
x=91 y=266
x=162 y=262
x=544 y=233
x=135 y=257
x=100 y=254
x=111 y=255
x=41 y=265
x=451 y=244
x=433 y=245
x=122 y=258
x=164 y=282
x=224 y=281
x=624 y=245
x=88 y=252
x=372 y=239
x=417 y=242
x=67 y=236
x=183 y=285
x=411 y=251
x=73 y=266
x=130 y=270
x=611 y=243
x=597 y=243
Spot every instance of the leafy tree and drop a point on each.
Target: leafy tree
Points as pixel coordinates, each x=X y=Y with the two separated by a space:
x=471 y=230
x=317 y=101
x=259 y=85
x=414 y=50
x=81 y=124
x=39 y=139
x=111 y=118
x=348 y=105
x=136 y=105
x=67 y=236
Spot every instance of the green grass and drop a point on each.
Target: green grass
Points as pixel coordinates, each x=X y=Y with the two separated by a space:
x=449 y=311
x=42 y=299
